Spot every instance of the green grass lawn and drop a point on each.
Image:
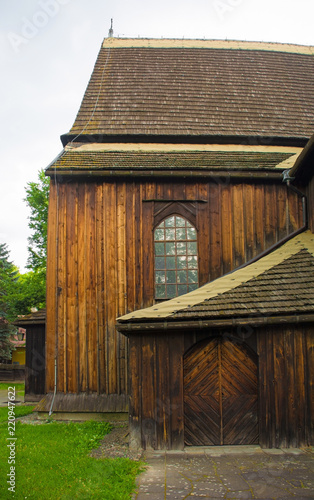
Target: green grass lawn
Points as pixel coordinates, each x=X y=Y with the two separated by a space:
x=53 y=462
x=19 y=411
x=19 y=387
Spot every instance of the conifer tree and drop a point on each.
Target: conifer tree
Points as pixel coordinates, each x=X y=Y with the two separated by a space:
x=8 y=283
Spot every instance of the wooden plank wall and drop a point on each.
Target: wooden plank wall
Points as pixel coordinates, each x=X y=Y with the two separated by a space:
x=286 y=378
x=310 y=204
x=100 y=262
x=35 y=360
x=285 y=385
x=156 y=387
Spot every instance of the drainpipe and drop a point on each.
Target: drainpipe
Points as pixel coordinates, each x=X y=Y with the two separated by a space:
x=55 y=388
x=287 y=179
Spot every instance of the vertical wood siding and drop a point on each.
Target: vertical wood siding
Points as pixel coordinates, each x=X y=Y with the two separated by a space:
x=310 y=200
x=156 y=386
x=35 y=360
x=100 y=262
x=285 y=385
x=286 y=377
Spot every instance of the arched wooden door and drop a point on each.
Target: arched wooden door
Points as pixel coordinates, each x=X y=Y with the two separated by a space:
x=220 y=394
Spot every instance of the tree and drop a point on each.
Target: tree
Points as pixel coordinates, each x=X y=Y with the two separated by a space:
x=37 y=195
x=30 y=292
x=32 y=285
x=8 y=284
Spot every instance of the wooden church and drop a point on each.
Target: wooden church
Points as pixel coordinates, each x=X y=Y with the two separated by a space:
x=180 y=249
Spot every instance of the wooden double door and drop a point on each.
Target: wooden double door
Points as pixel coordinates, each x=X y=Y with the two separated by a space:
x=220 y=394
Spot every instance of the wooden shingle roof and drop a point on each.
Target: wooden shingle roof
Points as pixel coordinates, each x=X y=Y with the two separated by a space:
x=281 y=283
x=287 y=288
x=34 y=318
x=181 y=88
x=119 y=159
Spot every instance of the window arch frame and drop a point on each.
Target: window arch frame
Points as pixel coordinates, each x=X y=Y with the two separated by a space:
x=178 y=268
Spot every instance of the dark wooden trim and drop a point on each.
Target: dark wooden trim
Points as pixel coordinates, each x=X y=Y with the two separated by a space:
x=185 y=139
x=165 y=209
x=262 y=175
x=164 y=326
x=175 y=200
x=84 y=402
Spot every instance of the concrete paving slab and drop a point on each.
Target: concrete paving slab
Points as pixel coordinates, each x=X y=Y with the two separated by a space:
x=274 y=451
x=255 y=473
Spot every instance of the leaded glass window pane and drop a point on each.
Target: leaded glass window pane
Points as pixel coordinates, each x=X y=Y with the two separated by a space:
x=181 y=262
x=171 y=276
x=170 y=222
x=176 y=260
x=192 y=262
x=182 y=277
x=170 y=248
x=159 y=249
x=159 y=262
x=182 y=289
x=159 y=234
x=180 y=222
x=160 y=276
x=192 y=249
x=181 y=234
x=171 y=291
x=160 y=291
x=170 y=234
x=191 y=233
x=170 y=263
x=181 y=248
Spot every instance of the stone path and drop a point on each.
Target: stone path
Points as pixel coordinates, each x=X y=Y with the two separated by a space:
x=242 y=472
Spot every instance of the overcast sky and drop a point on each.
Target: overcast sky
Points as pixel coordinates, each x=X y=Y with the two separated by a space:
x=47 y=52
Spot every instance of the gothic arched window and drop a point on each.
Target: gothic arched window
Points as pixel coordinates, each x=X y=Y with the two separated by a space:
x=176 y=259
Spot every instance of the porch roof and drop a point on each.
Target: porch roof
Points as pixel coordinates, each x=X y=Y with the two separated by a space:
x=171 y=159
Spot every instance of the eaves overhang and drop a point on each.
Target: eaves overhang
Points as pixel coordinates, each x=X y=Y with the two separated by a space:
x=163 y=326
x=185 y=139
x=303 y=168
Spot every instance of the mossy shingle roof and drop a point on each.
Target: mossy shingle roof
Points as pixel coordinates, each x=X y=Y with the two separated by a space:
x=81 y=160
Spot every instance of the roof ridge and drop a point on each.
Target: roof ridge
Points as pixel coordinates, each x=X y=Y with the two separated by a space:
x=206 y=44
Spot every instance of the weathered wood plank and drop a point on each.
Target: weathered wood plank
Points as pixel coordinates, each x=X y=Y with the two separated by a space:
x=111 y=290
x=51 y=320
x=280 y=390
x=176 y=428
x=82 y=285
x=91 y=288
x=148 y=395
x=238 y=225
x=61 y=290
x=163 y=402
x=259 y=217
x=136 y=387
x=71 y=289
x=100 y=291
x=249 y=221
x=309 y=388
x=147 y=256
x=226 y=231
